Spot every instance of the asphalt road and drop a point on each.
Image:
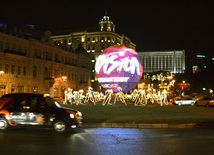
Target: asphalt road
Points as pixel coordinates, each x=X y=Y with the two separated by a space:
x=107 y=141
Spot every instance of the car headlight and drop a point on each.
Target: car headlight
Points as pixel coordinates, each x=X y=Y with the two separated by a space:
x=79 y=114
x=72 y=115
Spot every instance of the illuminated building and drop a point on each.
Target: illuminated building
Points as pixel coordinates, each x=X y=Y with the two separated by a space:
x=93 y=42
x=200 y=63
x=167 y=61
x=34 y=66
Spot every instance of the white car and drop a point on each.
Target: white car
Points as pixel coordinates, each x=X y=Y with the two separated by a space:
x=185 y=101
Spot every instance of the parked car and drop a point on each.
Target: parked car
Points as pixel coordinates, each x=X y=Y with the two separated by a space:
x=26 y=109
x=185 y=101
x=205 y=101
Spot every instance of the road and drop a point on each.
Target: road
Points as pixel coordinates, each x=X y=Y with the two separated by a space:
x=107 y=141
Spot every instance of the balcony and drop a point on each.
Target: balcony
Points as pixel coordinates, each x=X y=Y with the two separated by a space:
x=37 y=57
x=14 y=52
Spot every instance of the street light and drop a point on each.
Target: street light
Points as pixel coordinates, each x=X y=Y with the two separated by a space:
x=1 y=73
x=64 y=78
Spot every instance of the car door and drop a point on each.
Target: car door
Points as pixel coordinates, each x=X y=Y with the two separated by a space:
x=188 y=100
x=38 y=113
x=185 y=101
x=18 y=112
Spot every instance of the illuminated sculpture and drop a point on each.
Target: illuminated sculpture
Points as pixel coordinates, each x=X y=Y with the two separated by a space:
x=96 y=96
x=135 y=95
x=118 y=66
x=142 y=98
x=159 y=98
x=165 y=100
x=107 y=99
x=89 y=96
x=120 y=96
x=80 y=97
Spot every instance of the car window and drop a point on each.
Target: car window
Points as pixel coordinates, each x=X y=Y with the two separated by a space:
x=33 y=102
x=21 y=102
x=51 y=102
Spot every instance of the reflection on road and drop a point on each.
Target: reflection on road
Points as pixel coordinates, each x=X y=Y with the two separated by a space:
x=107 y=141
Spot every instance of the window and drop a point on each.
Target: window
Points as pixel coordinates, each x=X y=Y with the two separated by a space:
x=62 y=58
x=36 y=52
x=35 y=89
x=12 y=69
x=6 y=68
x=109 y=28
x=24 y=71
x=34 y=71
x=102 y=39
x=46 y=72
x=89 y=39
x=14 y=47
x=109 y=39
x=46 y=55
x=55 y=73
x=20 y=89
x=19 y=48
x=19 y=70
x=7 y=46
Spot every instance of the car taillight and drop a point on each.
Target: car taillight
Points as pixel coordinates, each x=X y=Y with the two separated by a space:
x=212 y=101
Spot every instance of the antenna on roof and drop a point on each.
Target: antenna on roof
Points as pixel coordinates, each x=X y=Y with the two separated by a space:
x=106 y=13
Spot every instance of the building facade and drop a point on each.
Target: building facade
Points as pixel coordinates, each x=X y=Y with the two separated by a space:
x=33 y=66
x=167 y=61
x=94 y=42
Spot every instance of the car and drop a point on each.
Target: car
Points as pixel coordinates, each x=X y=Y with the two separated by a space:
x=185 y=101
x=28 y=109
x=205 y=101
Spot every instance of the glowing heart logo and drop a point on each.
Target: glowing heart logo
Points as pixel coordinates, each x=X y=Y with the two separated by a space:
x=118 y=66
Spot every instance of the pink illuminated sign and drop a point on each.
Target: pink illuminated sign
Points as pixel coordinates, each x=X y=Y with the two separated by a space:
x=118 y=66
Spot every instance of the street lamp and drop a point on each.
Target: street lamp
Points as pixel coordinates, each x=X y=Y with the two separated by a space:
x=64 y=78
x=1 y=73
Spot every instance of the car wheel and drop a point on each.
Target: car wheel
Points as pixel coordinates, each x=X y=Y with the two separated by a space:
x=192 y=104
x=207 y=105
x=59 y=126
x=179 y=103
x=3 y=124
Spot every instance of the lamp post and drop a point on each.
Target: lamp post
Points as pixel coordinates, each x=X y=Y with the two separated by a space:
x=1 y=73
x=64 y=78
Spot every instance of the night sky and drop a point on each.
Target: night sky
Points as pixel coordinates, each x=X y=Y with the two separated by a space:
x=152 y=25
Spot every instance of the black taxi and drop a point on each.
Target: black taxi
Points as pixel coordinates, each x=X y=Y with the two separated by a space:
x=23 y=109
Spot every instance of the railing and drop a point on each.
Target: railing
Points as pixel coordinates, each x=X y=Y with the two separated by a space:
x=14 y=52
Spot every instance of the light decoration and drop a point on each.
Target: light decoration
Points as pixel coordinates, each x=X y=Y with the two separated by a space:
x=120 y=96
x=118 y=67
x=143 y=96
x=138 y=96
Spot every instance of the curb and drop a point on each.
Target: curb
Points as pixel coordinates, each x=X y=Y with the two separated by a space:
x=145 y=126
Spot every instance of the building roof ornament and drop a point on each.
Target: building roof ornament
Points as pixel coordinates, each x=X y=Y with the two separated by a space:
x=106 y=24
